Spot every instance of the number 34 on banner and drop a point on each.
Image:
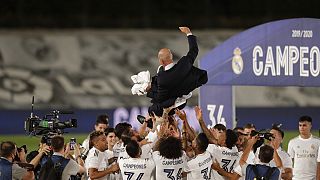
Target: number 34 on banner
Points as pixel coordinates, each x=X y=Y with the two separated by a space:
x=216 y=118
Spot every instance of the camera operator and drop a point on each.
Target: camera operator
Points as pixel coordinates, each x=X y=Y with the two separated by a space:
x=102 y=123
x=277 y=139
x=72 y=167
x=8 y=169
x=262 y=169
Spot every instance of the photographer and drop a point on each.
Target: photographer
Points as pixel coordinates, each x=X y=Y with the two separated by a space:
x=277 y=139
x=263 y=168
x=67 y=167
x=8 y=169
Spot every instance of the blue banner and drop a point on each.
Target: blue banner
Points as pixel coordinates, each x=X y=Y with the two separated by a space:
x=217 y=105
x=280 y=53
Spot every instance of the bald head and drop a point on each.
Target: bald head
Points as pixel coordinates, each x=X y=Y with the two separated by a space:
x=165 y=56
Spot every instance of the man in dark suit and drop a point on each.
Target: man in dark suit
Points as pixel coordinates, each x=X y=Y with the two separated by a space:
x=175 y=80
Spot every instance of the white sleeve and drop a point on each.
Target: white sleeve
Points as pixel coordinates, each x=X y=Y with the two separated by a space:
x=92 y=161
x=286 y=161
x=290 y=149
x=186 y=167
x=85 y=144
x=318 y=155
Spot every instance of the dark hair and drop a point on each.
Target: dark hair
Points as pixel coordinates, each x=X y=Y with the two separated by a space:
x=102 y=119
x=57 y=143
x=109 y=130
x=202 y=142
x=220 y=127
x=133 y=148
x=170 y=148
x=237 y=129
x=249 y=126
x=279 y=130
x=7 y=148
x=93 y=137
x=126 y=136
x=305 y=118
x=231 y=138
x=266 y=153
x=120 y=128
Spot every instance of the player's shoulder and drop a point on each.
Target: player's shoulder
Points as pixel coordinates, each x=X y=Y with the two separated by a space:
x=295 y=139
x=316 y=138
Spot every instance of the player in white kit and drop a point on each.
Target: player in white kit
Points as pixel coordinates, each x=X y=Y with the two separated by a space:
x=200 y=166
x=304 y=151
x=135 y=167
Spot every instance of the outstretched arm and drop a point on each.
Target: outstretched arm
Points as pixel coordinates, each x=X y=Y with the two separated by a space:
x=203 y=126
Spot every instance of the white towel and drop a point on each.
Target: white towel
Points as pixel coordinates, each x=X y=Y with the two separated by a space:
x=141 y=82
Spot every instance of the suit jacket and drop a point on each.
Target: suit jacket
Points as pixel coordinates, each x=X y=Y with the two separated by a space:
x=183 y=77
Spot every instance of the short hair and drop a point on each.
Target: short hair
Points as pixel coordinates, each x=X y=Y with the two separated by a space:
x=170 y=148
x=133 y=148
x=57 y=143
x=279 y=130
x=202 y=142
x=93 y=137
x=220 y=127
x=305 y=118
x=102 y=119
x=120 y=128
x=237 y=129
x=249 y=126
x=7 y=148
x=266 y=153
x=126 y=136
x=109 y=130
x=231 y=138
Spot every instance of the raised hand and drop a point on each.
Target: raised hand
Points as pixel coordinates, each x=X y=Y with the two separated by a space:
x=185 y=30
x=181 y=114
x=198 y=112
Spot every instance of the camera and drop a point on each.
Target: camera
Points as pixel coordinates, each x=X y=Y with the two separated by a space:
x=141 y=119
x=265 y=135
x=49 y=124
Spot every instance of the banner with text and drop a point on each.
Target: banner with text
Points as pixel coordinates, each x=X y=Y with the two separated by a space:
x=280 y=53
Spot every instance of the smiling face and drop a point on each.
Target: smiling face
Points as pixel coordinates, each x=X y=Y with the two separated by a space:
x=111 y=138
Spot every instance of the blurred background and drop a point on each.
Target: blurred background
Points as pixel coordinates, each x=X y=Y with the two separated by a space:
x=79 y=56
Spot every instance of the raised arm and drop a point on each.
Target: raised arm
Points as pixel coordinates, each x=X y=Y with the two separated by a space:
x=203 y=126
x=193 y=46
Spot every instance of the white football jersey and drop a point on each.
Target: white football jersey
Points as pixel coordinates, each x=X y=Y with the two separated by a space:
x=98 y=160
x=226 y=157
x=304 y=152
x=136 y=168
x=199 y=167
x=168 y=169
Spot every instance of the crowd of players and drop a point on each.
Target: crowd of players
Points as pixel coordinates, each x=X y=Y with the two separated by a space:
x=167 y=151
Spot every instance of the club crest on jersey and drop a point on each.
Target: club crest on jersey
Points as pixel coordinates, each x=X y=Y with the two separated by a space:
x=313 y=146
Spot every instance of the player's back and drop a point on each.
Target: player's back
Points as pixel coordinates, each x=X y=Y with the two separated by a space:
x=167 y=169
x=199 y=167
x=136 y=168
x=226 y=157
